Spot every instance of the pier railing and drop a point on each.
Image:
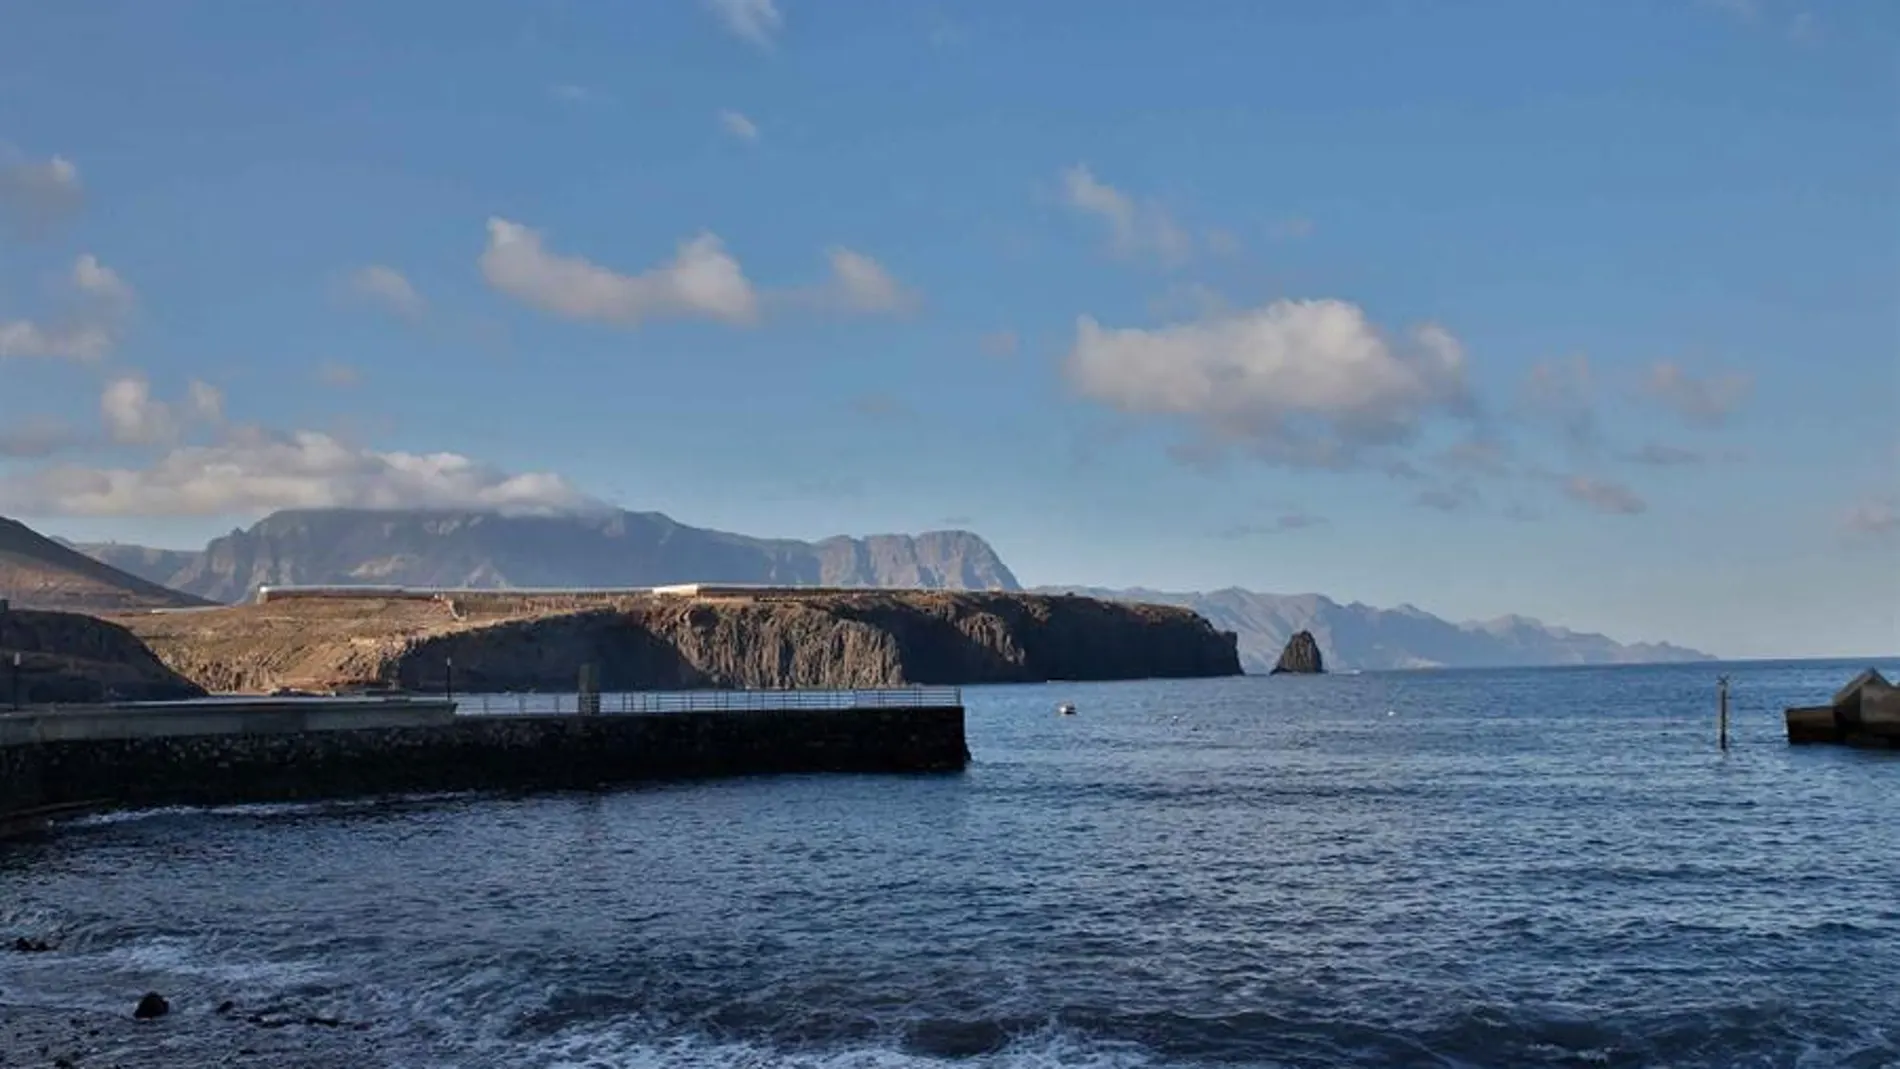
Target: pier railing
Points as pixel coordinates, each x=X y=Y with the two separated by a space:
x=712 y=701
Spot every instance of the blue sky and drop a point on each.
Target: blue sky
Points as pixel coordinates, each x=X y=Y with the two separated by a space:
x=1583 y=311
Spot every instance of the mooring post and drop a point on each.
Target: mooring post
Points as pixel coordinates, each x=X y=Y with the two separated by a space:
x=16 y=681
x=1721 y=693
x=448 y=678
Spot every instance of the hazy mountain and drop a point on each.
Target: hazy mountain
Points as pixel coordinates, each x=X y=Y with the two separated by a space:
x=485 y=549
x=1361 y=636
x=38 y=573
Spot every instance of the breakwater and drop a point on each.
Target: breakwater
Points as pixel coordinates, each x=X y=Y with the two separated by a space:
x=214 y=753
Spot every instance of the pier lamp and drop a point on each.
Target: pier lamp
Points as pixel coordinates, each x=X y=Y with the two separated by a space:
x=16 y=681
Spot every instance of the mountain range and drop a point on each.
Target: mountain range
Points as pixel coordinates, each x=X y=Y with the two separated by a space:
x=600 y=549
x=619 y=548
x=1358 y=636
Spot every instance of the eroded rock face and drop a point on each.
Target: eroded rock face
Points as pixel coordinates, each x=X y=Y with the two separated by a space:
x=872 y=639
x=1301 y=656
x=69 y=658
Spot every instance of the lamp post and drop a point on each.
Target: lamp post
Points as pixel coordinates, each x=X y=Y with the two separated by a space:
x=448 y=678
x=16 y=680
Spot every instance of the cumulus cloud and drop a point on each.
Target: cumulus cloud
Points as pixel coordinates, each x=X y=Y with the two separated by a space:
x=1302 y=383
x=133 y=416
x=387 y=288
x=84 y=342
x=701 y=281
x=36 y=195
x=99 y=282
x=754 y=21
x=1135 y=228
x=1603 y=496
x=86 y=336
x=861 y=284
x=255 y=471
x=1704 y=401
x=738 y=125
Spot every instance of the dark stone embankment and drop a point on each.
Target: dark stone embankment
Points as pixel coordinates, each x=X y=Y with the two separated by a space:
x=473 y=753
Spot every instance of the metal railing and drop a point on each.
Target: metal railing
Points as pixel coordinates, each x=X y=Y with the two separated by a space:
x=712 y=701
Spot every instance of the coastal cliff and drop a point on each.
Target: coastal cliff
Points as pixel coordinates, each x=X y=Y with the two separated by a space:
x=503 y=643
x=71 y=658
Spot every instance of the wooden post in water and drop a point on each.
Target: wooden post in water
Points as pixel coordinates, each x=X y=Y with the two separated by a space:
x=1721 y=692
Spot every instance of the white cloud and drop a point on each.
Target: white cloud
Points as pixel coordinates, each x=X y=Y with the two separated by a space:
x=1304 y=383
x=206 y=401
x=701 y=281
x=756 y=21
x=861 y=284
x=387 y=287
x=84 y=342
x=133 y=416
x=255 y=471
x=1453 y=497
x=36 y=194
x=1703 y=401
x=86 y=337
x=97 y=281
x=738 y=125
x=36 y=437
x=1136 y=229
x=1603 y=496
x=1661 y=455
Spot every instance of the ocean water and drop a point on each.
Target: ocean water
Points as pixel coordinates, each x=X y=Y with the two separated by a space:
x=1504 y=868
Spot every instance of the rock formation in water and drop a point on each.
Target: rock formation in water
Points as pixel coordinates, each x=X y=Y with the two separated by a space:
x=69 y=658
x=1301 y=656
x=504 y=642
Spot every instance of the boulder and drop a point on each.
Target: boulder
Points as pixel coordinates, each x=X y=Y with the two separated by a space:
x=151 y=1006
x=1301 y=656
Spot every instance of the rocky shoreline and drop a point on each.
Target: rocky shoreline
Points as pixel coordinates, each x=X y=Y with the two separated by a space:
x=50 y=1038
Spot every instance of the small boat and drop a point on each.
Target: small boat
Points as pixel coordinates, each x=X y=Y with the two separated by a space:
x=1065 y=709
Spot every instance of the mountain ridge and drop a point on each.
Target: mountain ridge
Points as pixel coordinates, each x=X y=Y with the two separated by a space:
x=1359 y=636
x=37 y=572
x=468 y=548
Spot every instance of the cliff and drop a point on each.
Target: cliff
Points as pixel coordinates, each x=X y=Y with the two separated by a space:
x=500 y=642
x=1301 y=657
x=605 y=548
x=70 y=658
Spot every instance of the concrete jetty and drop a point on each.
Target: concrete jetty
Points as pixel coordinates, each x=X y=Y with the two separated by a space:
x=1866 y=712
x=216 y=752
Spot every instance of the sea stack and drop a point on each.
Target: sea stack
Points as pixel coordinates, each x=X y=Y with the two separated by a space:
x=1301 y=656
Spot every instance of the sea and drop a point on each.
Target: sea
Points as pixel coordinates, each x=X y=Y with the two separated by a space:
x=1510 y=868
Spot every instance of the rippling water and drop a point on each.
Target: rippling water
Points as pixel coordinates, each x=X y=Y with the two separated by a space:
x=1511 y=868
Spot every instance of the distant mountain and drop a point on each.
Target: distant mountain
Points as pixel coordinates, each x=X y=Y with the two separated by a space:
x=485 y=549
x=1364 y=637
x=38 y=573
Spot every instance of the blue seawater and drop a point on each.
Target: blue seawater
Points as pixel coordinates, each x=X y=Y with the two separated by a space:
x=1550 y=867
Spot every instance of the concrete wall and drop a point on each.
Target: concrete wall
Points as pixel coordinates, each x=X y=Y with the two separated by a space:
x=475 y=753
x=261 y=716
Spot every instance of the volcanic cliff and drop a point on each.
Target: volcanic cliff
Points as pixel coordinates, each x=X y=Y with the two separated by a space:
x=501 y=642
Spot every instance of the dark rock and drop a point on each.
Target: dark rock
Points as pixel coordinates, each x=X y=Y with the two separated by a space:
x=24 y=945
x=1301 y=656
x=151 y=1006
x=226 y=1006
